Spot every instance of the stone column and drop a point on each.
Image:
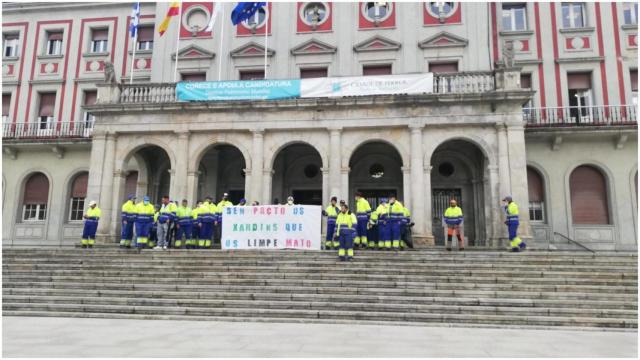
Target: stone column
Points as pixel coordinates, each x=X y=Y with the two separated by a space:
x=106 y=186
x=344 y=191
x=503 y=161
x=179 y=188
x=428 y=216
x=257 y=166
x=267 y=175
x=493 y=205
x=518 y=174
x=406 y=187
x=335 y=163
x=325 y=186
x=119 y=178
x=417 y=181
x=192 y=187
x=96 y=166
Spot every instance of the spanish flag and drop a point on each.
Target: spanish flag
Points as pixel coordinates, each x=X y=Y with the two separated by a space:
x=174 y=9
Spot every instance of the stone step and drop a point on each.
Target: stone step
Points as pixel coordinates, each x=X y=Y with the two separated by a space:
x=316 y=305
x=329 y=314
x=330 y=289
x=330 y=298
x=426 y=269
x=530 y=278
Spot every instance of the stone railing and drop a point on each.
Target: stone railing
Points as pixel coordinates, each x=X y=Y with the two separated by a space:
x=51 y=131
x=455 y=83
x=570 y=116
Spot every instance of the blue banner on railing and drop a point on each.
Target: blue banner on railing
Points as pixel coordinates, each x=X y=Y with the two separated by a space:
x=238 y=90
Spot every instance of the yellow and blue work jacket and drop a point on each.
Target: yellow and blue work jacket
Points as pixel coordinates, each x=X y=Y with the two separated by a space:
x=453 y=215
x=128 y=211
x=346 y=221
x=144 y=212
x=396 y=211
x=167 y=213
x=184 y=216
x=363 y=209
x=513 y=213
x=331 y=212
x=93 y=214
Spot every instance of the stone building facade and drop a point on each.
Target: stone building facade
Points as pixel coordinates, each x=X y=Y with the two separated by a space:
x=558 y=131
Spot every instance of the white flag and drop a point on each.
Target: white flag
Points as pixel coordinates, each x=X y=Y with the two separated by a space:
x=214 y=15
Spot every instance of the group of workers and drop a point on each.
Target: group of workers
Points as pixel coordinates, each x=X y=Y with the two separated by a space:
x=385 y=228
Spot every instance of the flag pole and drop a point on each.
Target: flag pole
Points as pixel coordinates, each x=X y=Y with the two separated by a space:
x=267 y=14
x=133 y=58
x=221 y=4
x=175 y=70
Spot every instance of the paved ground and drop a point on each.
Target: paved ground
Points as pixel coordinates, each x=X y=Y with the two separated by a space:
x=69 y=337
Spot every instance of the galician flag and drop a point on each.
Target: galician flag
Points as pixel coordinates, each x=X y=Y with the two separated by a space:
x=174 y=9
x=135 y=20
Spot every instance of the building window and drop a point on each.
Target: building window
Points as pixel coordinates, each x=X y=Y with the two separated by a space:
x=258 y=20
x=99 y=40
x=589 y=201
x=580 y=97
x=633 y=73
x=194 y=77
x=536 y=196
x=6 y=105
x=313 y=73
x=252 y=75
x=440 y=9
x=145 y=38
x=376 y=171
x=630 y=13
x=36 y=197
x=314 y=13
x=196 y=19
x=77 y=196
x=11 y=45
x=525 y=83
x=514 y=17
x=573 y=15
x=443 y=68
x=90 y=98
x=54 y=43
x=45 y=115
x=369 y=70
x=377 y=11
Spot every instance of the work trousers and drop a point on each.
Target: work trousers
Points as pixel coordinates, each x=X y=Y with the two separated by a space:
x=515 y=240
x=384 y=234
x=143 y=231
x=331 y=231
x=163 y=234
x=127 y=233
x=206 y=234
x=89 y=232
x=183 y=235
x=345 y=238
x=396 y=229
x=361 y=229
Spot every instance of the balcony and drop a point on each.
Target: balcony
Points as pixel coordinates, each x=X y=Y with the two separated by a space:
x=580 y=116
x=37 y=132
x=455 y=83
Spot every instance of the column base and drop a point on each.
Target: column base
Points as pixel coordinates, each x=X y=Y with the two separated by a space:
x=422 y=241
x=106 y=239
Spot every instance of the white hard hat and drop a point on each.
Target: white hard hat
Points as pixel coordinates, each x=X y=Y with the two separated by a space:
x=92 y=202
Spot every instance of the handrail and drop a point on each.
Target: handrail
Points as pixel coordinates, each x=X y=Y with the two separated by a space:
x=574 y=242
x=592 y=115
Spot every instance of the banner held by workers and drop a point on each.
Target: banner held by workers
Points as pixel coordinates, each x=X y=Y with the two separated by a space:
x=271 y=227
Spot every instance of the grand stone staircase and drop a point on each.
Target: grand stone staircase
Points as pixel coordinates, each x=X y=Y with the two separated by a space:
x=474 y=288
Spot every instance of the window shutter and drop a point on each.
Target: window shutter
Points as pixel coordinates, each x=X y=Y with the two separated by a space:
x=252 y=75
x=313 y=73
x=443 y=68
x=376 y=70
x=100 y=34
x=55 y=35
x=11 y=37
x=589 y=203
x=90 y=97
x=579 y=81
x=634 y=79
x=47 y=103
x=79 y=188
x=194 y=77
x=145 y=33
x=36 y=190
x=131 y=184
x=534 y=181
x=6 y=104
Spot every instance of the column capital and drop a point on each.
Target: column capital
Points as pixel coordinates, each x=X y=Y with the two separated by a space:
x=345 y=170
x=493 y=168
x=110 y=136
x=171 y=171
x=427 y=169
x=99 y=135
x=334 y=129
x=268 y=171
x=406 y=169
x=416 y=128
x=182 y=134
x=194 y=173
x=120 y=173
x=501 y=126
x=258 y=132
x=324 y=170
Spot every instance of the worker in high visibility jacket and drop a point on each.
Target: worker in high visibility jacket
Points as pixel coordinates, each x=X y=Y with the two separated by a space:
x=219 y=207
x=404 y=229
x=153 y=234
x=512 y=222
x=144 y=222
x=363 y=212
x=184 y=219
x=331 y=212
x=165 y=219
x=453 y=218
x=128 y=218
x=345 y=224
x=396 y=214
x=207 y=219
x=380 y=219
x=195 y=229
x=91 y=218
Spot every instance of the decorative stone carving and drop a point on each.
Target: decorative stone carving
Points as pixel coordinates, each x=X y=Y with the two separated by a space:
x=508 y=54
x=109 y=73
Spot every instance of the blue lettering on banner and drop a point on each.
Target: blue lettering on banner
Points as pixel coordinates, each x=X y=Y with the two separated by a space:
x=238 y=90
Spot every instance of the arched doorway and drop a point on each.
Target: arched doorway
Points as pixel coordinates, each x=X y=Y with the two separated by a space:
x=376 y=171
x=297 y=172
x=222 y=170
x=458 y=171
x=151 y=164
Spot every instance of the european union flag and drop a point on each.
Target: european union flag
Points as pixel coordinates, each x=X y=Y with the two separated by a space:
x=245 y=10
